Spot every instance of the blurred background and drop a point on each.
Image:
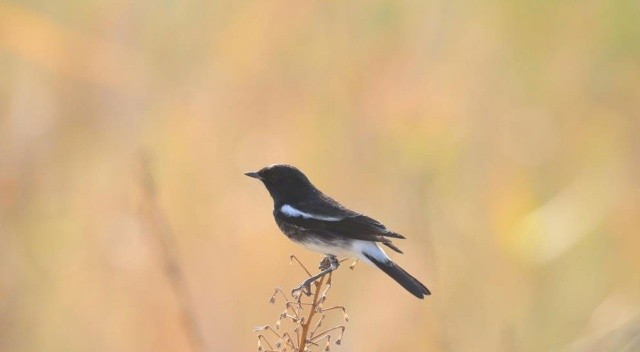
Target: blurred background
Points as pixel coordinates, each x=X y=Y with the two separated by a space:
x=501 y=137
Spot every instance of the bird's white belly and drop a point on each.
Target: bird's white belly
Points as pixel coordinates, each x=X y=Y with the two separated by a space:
x=352 y=249
x=326 y=248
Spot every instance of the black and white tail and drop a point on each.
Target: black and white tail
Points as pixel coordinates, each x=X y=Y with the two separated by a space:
x=375 y=255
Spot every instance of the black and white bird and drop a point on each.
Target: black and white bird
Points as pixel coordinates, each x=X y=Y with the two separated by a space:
x=309 y=217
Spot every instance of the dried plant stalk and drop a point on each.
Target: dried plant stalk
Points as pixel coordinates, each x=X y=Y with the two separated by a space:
x=159 y=226
x=307 y=315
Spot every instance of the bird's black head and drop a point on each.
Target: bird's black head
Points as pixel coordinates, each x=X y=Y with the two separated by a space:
x=285 y=183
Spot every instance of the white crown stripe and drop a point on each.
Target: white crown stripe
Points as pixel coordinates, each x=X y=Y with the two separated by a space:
x=295 y=213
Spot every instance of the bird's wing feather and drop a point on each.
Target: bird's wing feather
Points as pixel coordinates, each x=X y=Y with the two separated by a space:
x=334 y=219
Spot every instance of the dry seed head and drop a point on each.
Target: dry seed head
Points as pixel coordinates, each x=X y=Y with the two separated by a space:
x=305 y=327
x=339 y=339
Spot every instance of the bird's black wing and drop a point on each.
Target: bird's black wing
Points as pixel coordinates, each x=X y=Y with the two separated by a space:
x=324 y=215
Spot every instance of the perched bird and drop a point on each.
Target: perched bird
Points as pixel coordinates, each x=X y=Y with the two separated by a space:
x=309 y=217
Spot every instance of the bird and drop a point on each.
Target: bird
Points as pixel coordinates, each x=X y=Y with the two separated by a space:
x=309 y=217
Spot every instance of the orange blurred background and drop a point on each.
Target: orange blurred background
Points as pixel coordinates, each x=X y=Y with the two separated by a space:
x=501 y=138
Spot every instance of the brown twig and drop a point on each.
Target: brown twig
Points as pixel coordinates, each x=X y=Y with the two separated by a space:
x=293 y=257
x=170 y=257
x=312 y=312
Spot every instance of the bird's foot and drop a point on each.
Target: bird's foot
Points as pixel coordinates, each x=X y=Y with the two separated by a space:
x=328 y=261
x=328 y=264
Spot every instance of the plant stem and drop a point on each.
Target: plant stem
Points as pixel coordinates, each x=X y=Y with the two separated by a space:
x=159 y=226
x=312 y=312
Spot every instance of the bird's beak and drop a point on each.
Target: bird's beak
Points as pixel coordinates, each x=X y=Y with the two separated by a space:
x=254 y=175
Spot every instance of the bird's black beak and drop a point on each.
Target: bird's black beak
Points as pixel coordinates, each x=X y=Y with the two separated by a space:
x=254 y=175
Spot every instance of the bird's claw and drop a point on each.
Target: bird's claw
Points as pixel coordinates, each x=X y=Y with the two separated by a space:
x=324 y=263
x=327 y=261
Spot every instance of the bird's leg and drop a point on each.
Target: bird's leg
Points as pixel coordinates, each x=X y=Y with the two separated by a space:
x=353 y=264
x=328 y=264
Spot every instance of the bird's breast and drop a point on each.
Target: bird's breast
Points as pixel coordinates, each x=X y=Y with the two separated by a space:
x=321 y=243
x=294 y=232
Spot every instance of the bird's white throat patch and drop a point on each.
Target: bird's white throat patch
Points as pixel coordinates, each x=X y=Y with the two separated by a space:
x=295 y=213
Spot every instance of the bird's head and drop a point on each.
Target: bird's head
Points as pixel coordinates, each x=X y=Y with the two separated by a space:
x=284 y=182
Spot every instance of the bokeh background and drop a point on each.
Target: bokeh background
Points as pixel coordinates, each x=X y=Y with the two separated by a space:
x=501 y=137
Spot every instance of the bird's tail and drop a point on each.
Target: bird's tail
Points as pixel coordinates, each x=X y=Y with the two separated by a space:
x=376 y=255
